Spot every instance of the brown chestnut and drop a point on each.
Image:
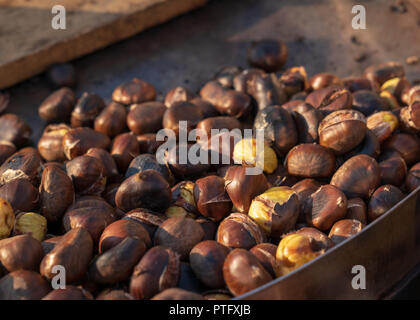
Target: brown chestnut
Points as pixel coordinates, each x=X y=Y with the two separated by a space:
x=148 y=219
x=182 y=111
x=159 y=269
x=383 y=199
x=176 y=95
x=323 y=80
x=111 y=170
x=24 y=164
x=225 y=75
x=267 y=54
x=357 y=210
x=14 y=130
x=146 y=117
x=147 y=189
x=87 y=174
x=134 y=91
x=6 y=150
x=21 y=195
x=78 y=141
x=112 y=120
x=307 y=120
x=50 y=145
x=86 y=110
x=330 y=99
x=124 y=149
x=218 y=123
x=358 y=177
x=243 y=272
x=73 y=252
x=310 y=161
x=211 y=198
x=239 y=231
x=120 y=230
x=279 y=128
x=393 y=171
x=243 y=188
x=342 y=130
x=319 y=240
x=117 y=263
x=180 y=234
x=412 y=180
x=380 y=73
x=368 y=102
x=206 y=259
x=69 y=293
x=183 y=203
x=145 y=162
x=209 y=228
x=266 y=255
x=23 y=285
x=57 y=107
x=186 y=168
x=382 y=124
x=407 y=145
x=20 y=252
x=226 y=101
x=56 y=193
x=343 y=229
x=207 y=109
x=148 y=143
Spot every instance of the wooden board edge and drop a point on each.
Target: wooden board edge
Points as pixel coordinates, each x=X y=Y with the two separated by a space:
x=98 y=38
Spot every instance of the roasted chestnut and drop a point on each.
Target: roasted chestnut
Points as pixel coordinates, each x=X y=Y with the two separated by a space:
x=50 y=145
x=319 y=240
x=266 y=255
x=78 y=141
x=211 y=198
x=21 y=195
x=393 y=170
x=6 y=150
x=380 y=73
x=145 y=162
x=14 y=130
x=358 y=177
x=146 y=117
x=383 y=199
x=267 y=54
x=412 y=180
x=134 y=91
x=407 y=145
x=342 y=130
x=86 y=110
x=112 y=120
x=183 y=202
x=330 y=99
x=310 y=161
x=111 y=170
x=382 y=124
x=181 y=112
x=343 y=229
x=147 y=189
x=357 y=210
x=57 y=107
x=323 y=80
x=176 y=95
x=23 y=285
x=368 y=102
x=239 y=231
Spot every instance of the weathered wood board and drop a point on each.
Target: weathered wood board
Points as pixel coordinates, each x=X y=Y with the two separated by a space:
x=28 y=42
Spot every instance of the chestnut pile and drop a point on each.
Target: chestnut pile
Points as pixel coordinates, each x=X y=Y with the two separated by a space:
x=93 y=199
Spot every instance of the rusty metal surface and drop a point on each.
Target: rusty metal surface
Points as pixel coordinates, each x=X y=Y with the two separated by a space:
x=188 y=50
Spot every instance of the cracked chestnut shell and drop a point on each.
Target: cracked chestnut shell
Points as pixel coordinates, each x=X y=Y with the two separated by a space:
x=50 y=145
x=342 y=130
x=330 y=99
x=56 y=193
x=159 y=269
x=267 y=54
x=226 y=101
x=343 y=229
x=279 y=128
x=87 y=174
x=180 y=234
x=206 y=260
x=23 y=285
x=21 y=195
x=116 y=264
x=24 y=164
x=239 y=231
x=147 y=189
x=148 y=219
x=319 y=240
x=243 y=272
x=310 y=161
x=73 y=252
x=20 y=252
x=412 y=180
x=242 y=188
x=324 y=207
x=146 y=117
x=383 y=199
x=183 y=203
x=275 y=211
x=134 y=91
x=86 y=110
x=120 y=230
x=57 y=107
x=358 y=177
x=14 y=130
x=211 y=198
x=78 y=141
x=382 y=124
x=112 y=120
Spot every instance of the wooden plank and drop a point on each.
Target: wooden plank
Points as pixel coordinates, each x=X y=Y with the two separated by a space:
x=28 y=43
